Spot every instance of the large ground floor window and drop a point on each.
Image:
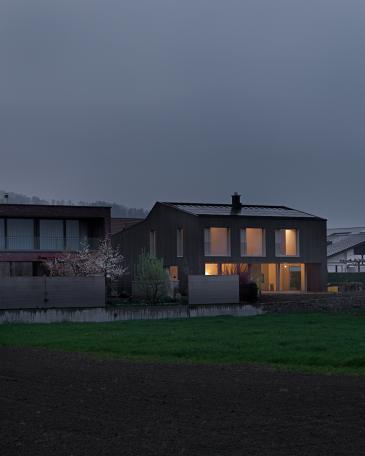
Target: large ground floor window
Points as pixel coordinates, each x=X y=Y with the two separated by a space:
x=268 y=276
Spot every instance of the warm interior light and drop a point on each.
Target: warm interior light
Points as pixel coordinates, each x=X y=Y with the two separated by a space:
x=254 y=241
x=229 y=268
x=173 y=272
x=211 y=268
x=291 y=242
x=219 y=241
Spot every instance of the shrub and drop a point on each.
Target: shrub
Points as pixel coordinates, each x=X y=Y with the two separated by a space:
x=152 y=282
x=248 y=291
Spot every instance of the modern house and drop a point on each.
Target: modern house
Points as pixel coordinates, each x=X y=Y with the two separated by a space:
x=31 y=234
x=346 y=249
x=282 y=249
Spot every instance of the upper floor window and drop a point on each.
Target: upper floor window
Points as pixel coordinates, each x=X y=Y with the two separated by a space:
x=217 y=242
x=73 y=235
x=20 y=234
x=253 y=242
x=180 y=242
x=51 y=235
x=287 y=242
x=41 y=234
x=2 y=234
x=153 y=243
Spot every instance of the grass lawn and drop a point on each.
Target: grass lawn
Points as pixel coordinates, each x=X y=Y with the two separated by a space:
x=315 y=343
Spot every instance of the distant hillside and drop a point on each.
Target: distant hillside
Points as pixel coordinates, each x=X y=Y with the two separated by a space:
x=118 y=210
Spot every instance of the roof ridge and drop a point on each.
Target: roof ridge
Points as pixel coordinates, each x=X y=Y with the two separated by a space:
x=248 y=210
x=229 y=205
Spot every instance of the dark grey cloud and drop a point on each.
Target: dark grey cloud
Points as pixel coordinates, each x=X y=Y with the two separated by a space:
x=142 y=100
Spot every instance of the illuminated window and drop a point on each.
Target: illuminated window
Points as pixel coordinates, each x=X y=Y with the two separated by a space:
x=230 y=268
x=152 y=243
x=217 y=242
x=211 y=268
x=292 y=277
x=253 y=242
x=173 y=272
x=287 y=242
x=180 y=242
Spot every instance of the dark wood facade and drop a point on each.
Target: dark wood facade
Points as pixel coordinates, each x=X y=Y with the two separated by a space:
x=165 y=220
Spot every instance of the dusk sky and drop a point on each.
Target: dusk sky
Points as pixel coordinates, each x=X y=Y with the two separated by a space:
x=135 y=101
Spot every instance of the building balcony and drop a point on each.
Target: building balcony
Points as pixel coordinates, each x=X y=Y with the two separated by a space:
x=47 y=243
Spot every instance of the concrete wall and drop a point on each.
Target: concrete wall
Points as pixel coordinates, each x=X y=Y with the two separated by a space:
x=51 y=292
x=105 y=314
x=204 y=289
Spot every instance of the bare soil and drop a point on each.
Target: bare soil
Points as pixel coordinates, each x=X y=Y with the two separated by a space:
x=57 y=404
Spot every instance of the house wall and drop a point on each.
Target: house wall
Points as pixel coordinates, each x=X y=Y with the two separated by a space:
x=166 y=220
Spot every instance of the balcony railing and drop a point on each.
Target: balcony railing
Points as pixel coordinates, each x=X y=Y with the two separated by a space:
x=47 y=243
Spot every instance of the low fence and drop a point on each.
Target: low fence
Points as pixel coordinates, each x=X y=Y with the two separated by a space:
x=204 y=289
x=109 y=314
x=340 y=277
x=51 y=292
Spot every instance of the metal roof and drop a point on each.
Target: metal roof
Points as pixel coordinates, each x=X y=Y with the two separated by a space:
x=345 y=243
x=244 y=210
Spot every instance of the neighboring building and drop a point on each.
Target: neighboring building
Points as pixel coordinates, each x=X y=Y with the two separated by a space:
x=346 y=249
x=336 y=234
x=121 y=223
x=282 y=248
x=30 y=234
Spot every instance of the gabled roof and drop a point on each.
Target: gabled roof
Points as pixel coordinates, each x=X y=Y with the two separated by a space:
x=245 y=210
x=121 y=223
x=345 y=243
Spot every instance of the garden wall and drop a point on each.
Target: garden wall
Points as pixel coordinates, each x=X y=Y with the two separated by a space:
x=353 y=302
x=108 y=314
x=205 y=289
x=51 y=292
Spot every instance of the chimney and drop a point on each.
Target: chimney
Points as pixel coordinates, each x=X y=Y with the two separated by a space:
x=236 y=201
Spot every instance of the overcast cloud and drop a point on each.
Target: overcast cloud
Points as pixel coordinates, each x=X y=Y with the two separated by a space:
x=144 y=100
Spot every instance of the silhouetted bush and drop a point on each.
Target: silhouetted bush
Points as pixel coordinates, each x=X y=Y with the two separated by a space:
x=248 y=291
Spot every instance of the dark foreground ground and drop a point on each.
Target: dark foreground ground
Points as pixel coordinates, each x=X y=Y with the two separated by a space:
x=66 y=404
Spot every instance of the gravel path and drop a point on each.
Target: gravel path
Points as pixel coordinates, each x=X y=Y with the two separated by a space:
x=65 y=404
